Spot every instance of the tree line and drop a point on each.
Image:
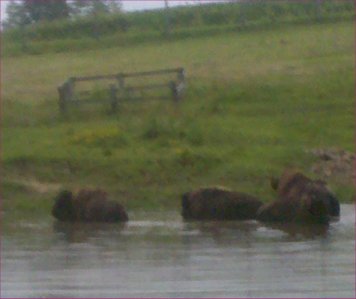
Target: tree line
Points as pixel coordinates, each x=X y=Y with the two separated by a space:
x=36 y=26
x=25 y=12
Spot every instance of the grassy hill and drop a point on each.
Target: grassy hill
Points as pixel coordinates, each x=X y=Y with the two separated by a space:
x=256 y=103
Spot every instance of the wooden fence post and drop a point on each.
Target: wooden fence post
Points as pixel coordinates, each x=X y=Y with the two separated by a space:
x=173 y=87
x=113 y=97
x=121 y=81
x=70 y=88
x=181 y=75
x=179 y=87
x=66 y=94
x=62 y=99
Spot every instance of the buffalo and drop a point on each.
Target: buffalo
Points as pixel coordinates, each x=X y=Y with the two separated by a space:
x=219 y=204
x=87 y=206
x=293 y=185
x=300 y=199
x=302 y=210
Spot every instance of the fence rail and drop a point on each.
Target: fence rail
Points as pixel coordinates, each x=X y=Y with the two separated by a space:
x=121 y=90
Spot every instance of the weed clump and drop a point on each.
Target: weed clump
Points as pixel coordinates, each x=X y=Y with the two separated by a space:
x=107 y=137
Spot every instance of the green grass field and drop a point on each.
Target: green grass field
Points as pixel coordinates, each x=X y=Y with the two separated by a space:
x=256 y=102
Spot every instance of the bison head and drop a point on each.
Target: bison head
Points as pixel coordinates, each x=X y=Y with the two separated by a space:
x=63 y=208
x=319 y=192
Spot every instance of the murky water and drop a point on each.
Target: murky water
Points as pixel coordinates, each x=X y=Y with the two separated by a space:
x=158 y=255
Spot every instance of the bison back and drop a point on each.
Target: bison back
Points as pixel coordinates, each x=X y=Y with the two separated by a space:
x=217 y=204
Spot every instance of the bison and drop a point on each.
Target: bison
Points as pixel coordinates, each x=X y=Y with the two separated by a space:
x=294 y=185
x=87 y=206
x=303 y=210
x=300 y=199
x=219 y=204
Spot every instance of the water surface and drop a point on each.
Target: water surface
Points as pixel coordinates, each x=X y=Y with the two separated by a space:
x=159 y=255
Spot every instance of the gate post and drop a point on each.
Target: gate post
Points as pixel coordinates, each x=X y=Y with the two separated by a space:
x=113 y=97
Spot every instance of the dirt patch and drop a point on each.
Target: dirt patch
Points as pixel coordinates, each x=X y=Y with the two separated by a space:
x=36 y=186
x=334 y=164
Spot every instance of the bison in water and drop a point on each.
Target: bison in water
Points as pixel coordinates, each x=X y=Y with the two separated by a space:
x=302 y=210
x=294 y=185
x=87 y=206
x=300 y=199
x=219 y=204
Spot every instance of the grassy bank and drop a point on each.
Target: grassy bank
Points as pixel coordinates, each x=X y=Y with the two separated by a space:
x=255 y=104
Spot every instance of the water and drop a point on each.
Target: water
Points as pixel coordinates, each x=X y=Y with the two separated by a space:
x=158 y=255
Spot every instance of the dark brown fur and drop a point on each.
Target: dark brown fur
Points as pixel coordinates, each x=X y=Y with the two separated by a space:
x=303 y=211
x=300 y=199
x=88 y=206
x=218 y=204
x=294 y=185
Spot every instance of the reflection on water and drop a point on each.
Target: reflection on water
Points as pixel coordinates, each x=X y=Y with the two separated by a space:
x=162 y=256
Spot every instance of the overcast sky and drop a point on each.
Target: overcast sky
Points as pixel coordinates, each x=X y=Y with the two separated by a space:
x=131 y=5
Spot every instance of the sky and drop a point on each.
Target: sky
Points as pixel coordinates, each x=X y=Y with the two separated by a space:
x=132 y=5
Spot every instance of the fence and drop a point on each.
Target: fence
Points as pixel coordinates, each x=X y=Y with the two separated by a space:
x=121 y=90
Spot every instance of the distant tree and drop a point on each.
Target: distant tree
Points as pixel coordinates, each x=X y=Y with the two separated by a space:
x=167 y=18
x=16 y=15
x=78 y=7
x=46 y=10
x=115 y=6
x=99 y=7
x=94 y=7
